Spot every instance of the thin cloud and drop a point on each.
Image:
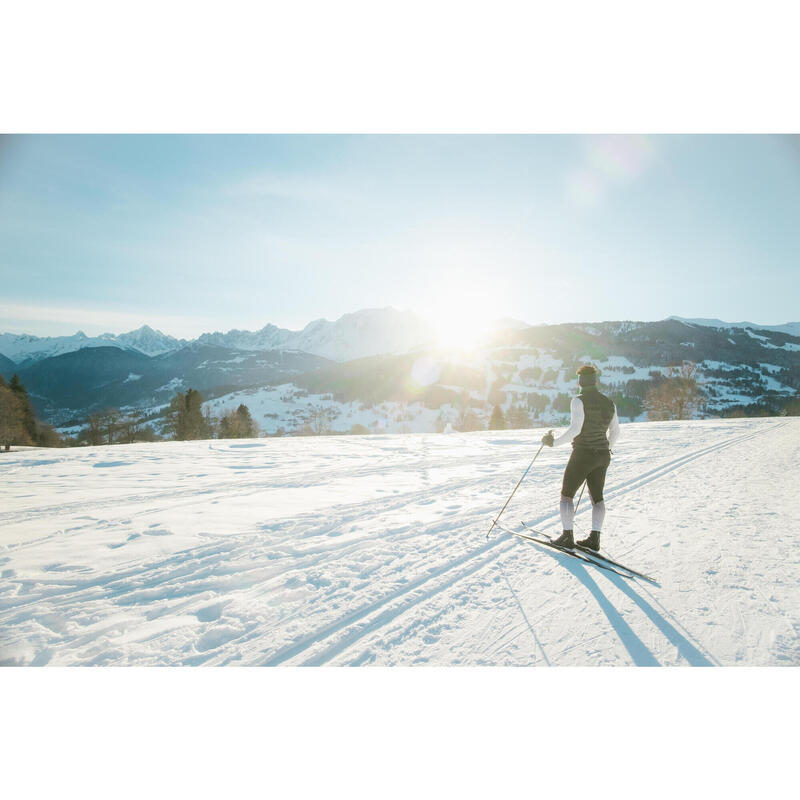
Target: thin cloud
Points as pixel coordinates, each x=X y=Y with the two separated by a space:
x=19 y=317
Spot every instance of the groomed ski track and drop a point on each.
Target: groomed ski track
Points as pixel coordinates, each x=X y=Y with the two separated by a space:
x=372 y=550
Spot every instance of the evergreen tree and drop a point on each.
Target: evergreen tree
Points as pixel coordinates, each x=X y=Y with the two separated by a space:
x=562 y=403
x=497 y=422
x=248 y=427
x=197 y=425
x=28 y=415
x=11 y=429
x=496 y=394
x=176 y=417
x=518 y=418
x=186 y=420
x=629 y=407
x=238 y=424
x=537 y=403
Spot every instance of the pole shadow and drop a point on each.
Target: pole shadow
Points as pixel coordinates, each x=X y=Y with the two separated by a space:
x=636 y=648
x=640 y=654
x=525 y=616
x=685 y=648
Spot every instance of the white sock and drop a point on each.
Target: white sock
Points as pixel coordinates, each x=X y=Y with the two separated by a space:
x=567 y=509
x=598 y=515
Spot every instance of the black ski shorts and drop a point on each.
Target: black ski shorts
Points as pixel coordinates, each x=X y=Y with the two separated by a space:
x=586 y=464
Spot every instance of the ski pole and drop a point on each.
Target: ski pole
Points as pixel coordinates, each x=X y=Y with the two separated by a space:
x=515 y=489
x=575 y=513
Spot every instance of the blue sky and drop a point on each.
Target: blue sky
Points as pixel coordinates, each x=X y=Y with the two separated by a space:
x=197 y=233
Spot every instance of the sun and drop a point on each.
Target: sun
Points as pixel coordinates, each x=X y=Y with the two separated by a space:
x=460 y=305
x=460 y=326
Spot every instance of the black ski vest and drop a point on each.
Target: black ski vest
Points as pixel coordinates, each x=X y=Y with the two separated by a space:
x=598 y=411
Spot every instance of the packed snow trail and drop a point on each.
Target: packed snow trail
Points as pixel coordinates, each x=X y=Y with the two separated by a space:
x=372 y=550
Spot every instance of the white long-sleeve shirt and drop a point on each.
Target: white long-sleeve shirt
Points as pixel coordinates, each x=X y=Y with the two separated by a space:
x=576 y=423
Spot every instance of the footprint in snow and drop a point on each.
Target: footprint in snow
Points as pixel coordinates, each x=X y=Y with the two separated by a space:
x=156 y=530
x=122 y=544
x=210 y=613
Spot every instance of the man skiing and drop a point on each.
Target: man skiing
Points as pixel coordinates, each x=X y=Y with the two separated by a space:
x=593 y=429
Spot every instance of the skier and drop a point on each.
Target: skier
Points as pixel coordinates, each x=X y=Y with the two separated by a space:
x=593 y=429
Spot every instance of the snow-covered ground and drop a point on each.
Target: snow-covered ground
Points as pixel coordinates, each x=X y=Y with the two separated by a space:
x=372 y=550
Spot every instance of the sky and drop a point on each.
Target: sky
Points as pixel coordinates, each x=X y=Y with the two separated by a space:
x=190 y=234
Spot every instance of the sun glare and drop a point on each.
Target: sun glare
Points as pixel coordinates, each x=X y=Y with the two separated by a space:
x=460 y=326
x=458 y=333
x=463 y=295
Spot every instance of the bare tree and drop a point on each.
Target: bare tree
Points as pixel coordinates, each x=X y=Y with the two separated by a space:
x=132 y=428
x=678 y=396
x=110 y=423
x=320 y=419
x=404 y=417
x=468 y=421
x=94 y=431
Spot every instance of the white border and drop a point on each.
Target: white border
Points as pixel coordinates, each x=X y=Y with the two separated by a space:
x=432 y=66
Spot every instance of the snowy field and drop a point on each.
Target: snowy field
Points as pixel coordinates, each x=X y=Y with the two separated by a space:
x=372 y=550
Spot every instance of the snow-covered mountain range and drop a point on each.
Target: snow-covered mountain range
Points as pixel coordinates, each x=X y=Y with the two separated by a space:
x=380 y=369
x=368 y=332
x=792 y=328
x=24 y=348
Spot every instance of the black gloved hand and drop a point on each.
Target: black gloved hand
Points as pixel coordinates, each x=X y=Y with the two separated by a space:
x=548 y=439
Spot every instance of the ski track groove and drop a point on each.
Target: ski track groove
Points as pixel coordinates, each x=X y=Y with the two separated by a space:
x=352 y=627
x=334 y=627
x=294 y=480
x=345 y=513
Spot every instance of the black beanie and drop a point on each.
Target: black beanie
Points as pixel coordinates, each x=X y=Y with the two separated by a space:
x=587 y=376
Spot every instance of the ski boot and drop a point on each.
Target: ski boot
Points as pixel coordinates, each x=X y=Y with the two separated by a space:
x=591 y=542
x=565 y=540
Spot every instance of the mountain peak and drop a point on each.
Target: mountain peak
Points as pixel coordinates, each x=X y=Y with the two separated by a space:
x=792 y=328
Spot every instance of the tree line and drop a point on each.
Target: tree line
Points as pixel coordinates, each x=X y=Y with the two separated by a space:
x=185 y=419
x=675 y=395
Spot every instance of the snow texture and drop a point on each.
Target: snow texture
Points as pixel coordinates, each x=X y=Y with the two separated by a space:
x=372 y=550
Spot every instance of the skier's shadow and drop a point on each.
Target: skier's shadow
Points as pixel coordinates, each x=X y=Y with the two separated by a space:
x=639 y=652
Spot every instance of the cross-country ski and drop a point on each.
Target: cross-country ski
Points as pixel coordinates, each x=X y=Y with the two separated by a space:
x=574 y=552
